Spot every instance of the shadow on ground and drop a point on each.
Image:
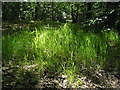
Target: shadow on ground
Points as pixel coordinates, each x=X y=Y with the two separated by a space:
x=18 y=78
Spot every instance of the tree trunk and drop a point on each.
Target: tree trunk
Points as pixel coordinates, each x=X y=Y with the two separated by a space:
x=36 y=10
x=89 y=7
x=52 y=13
x=74 y=14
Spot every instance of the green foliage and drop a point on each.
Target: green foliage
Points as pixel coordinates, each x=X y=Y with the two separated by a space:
x=59 y=47
x=60 y=50
x=50 y=46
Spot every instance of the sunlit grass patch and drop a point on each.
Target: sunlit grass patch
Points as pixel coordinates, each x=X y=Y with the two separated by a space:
x=60 y=50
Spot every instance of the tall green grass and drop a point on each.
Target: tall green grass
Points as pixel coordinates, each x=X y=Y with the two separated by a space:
x=60 y=50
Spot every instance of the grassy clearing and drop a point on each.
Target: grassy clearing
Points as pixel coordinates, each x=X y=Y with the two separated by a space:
x=62 y=50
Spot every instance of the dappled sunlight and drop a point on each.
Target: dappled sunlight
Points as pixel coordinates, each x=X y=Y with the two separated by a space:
x=60 y=51
x=60 y=45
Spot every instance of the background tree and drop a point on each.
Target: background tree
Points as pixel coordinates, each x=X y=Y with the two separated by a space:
x=102 y=15
x=89 y=8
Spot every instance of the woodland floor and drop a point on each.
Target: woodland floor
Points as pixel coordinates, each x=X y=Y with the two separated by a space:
x=90 y=79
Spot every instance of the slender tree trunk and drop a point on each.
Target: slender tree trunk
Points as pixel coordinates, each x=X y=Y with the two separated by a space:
x=89 y=7
x=74 y=14
x=52 y=13
x=36 y=10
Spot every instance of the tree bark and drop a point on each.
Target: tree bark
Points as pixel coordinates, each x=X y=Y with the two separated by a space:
x=36 y=10
x=74 y=14
x=89 y=7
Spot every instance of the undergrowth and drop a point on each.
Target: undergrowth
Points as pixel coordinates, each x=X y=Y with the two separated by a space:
x=60 y=50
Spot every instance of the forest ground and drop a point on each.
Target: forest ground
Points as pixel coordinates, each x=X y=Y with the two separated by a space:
x=92 y=78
